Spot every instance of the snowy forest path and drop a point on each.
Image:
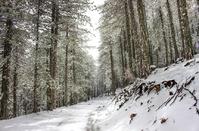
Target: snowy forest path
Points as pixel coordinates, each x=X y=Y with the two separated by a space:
x=74 y=118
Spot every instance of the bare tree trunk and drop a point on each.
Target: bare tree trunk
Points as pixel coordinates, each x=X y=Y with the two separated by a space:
x=15 y=82
x=134 y=33
x=125 y=57
x=171 y=50
x=172 y=30
x=187 y=31
x=113 y=85
x=145 y=39
x=128 y=38
x=74 y=69
x=125 y=49
x=151 y=54
x=181 y=27
x=6 y=70
x=122 y=60
x=132 y=24
x=53 y=55
x=157 y=57
x=164 y=36
x=66 y=71
x=36 y=82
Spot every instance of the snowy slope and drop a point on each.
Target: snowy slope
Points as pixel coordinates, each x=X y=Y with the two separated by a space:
x=180 y=116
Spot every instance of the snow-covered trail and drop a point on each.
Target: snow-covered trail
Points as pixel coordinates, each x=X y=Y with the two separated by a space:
x=74 y=118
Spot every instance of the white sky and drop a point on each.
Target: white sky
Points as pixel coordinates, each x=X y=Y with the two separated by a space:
x=95 y=38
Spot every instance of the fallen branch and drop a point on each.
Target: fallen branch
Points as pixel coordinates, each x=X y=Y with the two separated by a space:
x=177 y=94
x=169 y=99
x=191 y=79
x=195 y=98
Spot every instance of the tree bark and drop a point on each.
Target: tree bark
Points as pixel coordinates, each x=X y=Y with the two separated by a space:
x=6 y=70
x=74 y=69
x=66 y=70
x=181 y=26
x=171 y=50
x=15 y=82
x=53 y=55
x=133 y=25
x=122 y=60
x=36 y=74
x=187 y=30
x=172 y=30
x=164 y=36
x=134 y=33
x=145 y=39
x=113 y=85
x=124 y=40
x=128 y=38
x=125 y=49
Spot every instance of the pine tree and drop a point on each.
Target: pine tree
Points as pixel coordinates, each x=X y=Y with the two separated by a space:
x=7 y=50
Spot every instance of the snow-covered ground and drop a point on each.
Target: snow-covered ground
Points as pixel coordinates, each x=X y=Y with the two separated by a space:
x=104 y=114
x=74 y=118
x=180 y=116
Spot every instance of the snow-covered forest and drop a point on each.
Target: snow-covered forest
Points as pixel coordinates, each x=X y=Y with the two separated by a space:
x=145 y=79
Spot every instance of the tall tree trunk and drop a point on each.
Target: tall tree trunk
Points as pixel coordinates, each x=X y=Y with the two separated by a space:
x=125 y=49
x=124 y=41
x=54 y=41
x=187 y=30
x=66 y=70
x=171 y=50
x=151 y=54
x=132 y=25
x=6 y=70
x=158 y=43
x=128 y=38
x=15 y=82
x=36 y=74
x=134 y=33
x=172 y=30
x=164 y=36
x=72 y=95
x=157 y=57
x=53 y=55
x=113 y=84
x=145 y=38
x=74 y=69
x=181 y=27
x=122 y=61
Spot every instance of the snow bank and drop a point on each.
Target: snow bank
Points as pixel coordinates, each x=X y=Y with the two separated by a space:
x=180 y=116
